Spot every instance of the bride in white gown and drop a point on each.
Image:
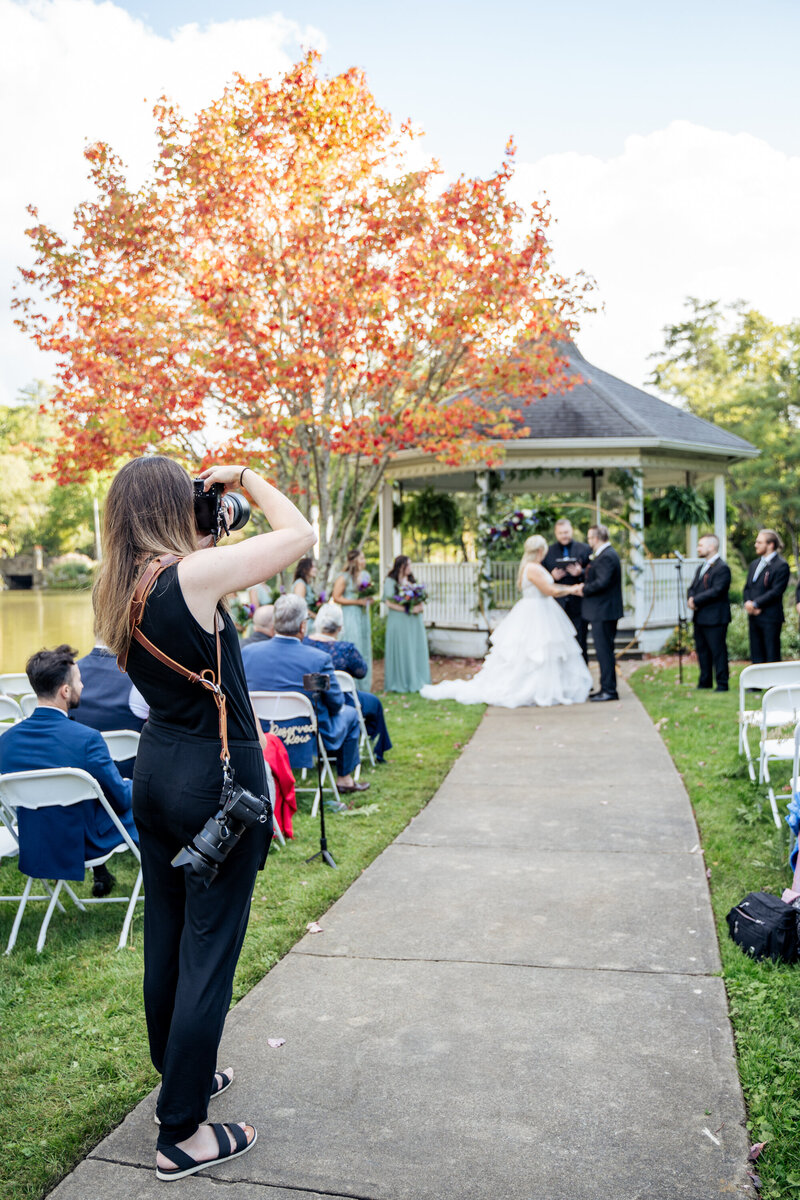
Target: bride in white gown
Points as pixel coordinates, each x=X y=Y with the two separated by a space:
x=535 y=657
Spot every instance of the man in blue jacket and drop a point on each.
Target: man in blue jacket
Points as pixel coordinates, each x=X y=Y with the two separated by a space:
x=278 y=665
x=55 y=841
x=105 y=699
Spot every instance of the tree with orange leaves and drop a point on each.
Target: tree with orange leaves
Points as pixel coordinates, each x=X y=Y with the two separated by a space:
x=285 y=291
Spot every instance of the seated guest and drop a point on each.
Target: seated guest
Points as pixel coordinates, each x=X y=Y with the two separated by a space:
x=106 y=698
x=278 y=665
x=52 y=839
x=263 y=627
x=347 y=657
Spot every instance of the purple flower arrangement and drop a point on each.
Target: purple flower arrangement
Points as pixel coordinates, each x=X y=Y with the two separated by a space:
x=322 y=598
x=518 y=522
x=366 y=587
x=411 y=594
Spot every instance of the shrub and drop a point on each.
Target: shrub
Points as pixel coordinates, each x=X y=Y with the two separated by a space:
x=378 y=634
x=70 y=572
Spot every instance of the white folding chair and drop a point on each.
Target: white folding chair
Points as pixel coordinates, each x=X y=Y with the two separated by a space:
x=780 y=706
x=295 y=706
x=28 y=703
x=9 y=710
x=761 y=676
x=53 y=787
x=122 y=743
x=348 y=686
x=14 y=684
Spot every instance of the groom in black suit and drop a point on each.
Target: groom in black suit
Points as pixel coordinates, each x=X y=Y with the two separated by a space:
x=767 y=579
x=602 y=607
x=711 y=613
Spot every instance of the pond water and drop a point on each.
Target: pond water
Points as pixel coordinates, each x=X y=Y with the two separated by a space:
x=30 y=620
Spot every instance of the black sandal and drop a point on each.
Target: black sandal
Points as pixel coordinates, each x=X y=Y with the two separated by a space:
x=218 y=1088
x=186 y=1165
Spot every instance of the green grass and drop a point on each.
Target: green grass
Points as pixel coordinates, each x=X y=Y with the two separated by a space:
x=74 y=1050
x=744 y=853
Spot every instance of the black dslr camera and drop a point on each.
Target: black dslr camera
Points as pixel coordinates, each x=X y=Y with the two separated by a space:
x=239 y=810
x=217 y=514
x=316 y=682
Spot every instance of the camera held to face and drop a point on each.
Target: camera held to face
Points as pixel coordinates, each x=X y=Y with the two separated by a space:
x=217 y=514
x=240 y=810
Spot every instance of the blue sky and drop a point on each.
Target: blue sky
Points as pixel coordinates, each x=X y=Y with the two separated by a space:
x=562 y=75
x=666 y=137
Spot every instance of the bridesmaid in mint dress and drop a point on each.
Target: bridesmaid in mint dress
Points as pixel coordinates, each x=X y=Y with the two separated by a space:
x=355 y=609
x=407 y=664
x=303 y=583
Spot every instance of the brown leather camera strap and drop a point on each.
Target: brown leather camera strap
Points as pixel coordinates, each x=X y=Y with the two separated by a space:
x=205 y=678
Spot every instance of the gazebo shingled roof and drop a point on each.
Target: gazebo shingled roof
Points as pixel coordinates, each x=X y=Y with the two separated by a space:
x=602 y=406
x=602 y=423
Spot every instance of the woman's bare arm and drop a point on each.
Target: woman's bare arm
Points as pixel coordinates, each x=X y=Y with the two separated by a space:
x=536 y=574
x=208 y=575
x=339 y=597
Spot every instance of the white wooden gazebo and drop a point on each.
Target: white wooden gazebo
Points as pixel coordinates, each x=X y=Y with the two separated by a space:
x=572 y=440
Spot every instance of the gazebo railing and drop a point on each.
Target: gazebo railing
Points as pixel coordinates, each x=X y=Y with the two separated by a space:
x=453 y=592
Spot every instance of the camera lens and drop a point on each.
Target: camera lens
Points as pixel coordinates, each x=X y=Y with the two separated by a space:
x=238 y=510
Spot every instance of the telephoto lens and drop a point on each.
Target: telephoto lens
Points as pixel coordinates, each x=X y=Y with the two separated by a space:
x=208 y=849
x=238 y=511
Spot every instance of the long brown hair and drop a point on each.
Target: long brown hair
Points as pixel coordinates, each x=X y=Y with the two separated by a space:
x=149 y=511
x=351 y=565
x=397 y=566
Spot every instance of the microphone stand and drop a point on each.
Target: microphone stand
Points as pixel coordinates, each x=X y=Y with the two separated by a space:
x=323 y=851
x=683 y=618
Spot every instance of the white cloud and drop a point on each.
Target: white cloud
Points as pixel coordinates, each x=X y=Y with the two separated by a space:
x=73 y=72
x=682 y=211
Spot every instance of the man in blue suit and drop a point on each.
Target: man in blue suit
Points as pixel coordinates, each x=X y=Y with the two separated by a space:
x=278 y=665
x=105 y=699
x=55 y=842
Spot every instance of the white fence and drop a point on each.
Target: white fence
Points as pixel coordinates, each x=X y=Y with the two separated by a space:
x=453 y=592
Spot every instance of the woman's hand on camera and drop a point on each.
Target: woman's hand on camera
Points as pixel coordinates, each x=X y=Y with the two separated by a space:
x=229 y=476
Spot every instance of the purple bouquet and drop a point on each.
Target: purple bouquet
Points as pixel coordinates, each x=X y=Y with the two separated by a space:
x=365 y=587
x=411 y=594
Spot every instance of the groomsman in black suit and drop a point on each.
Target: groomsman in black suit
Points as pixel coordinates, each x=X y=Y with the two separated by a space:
x=711 y=613
x=767 y=579
x=566 y=561
x=602 y=607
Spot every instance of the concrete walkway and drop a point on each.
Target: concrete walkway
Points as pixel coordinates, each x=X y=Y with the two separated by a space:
x=516 y=1001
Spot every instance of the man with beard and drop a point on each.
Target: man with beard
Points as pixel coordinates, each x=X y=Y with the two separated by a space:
x=566 y=561
x=53 y=839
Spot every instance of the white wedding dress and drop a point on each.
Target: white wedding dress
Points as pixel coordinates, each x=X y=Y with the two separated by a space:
x=535 y=659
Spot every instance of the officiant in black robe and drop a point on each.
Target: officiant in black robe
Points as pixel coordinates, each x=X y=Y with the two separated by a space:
x=566 y=561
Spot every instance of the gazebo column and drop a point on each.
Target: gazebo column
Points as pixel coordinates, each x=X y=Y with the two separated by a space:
x=484 y=577
x=637 y=549
x=721 y=515
x=691 y=530
x=386 y=527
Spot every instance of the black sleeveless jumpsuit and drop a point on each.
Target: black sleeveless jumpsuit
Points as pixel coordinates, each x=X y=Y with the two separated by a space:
x=192 y=934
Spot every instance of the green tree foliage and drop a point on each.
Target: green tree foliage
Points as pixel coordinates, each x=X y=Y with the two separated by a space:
x=433 y=517
x=34 y=510
x=735 y=367
x=23 y=498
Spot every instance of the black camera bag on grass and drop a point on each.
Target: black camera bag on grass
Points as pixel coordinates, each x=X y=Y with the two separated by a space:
x=764 y=926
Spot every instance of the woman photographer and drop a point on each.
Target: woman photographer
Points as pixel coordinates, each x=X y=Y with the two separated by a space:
x=192 y=933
